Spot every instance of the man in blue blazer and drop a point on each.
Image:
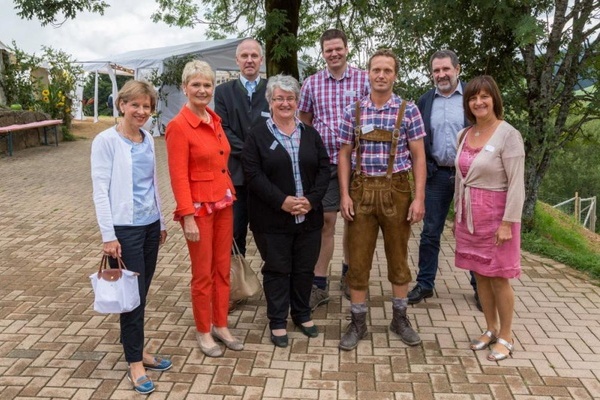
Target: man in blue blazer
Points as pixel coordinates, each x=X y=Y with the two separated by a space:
x=443 y=117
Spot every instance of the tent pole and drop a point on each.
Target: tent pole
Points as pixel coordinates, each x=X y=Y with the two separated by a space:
x=96 y=97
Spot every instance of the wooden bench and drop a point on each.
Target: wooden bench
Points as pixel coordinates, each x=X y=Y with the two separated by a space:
x=6 y=132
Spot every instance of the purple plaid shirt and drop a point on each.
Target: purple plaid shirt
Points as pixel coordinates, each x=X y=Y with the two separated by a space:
x=326 y=98
x=375 y=155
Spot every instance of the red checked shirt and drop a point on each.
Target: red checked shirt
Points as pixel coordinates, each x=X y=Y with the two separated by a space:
x=326 y=98
x=375 y=155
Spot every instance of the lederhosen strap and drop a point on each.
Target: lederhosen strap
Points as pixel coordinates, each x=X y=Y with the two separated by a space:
x=378 y=135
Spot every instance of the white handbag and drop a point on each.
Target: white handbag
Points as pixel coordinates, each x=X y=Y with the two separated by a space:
x=116 y=290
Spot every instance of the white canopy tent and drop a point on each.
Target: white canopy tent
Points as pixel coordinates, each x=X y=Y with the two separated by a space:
x=140 y=64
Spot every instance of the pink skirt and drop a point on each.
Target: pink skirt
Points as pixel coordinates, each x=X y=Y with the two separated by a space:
x=478 y=252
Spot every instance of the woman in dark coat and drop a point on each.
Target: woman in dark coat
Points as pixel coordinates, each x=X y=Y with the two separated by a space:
x=286 y=168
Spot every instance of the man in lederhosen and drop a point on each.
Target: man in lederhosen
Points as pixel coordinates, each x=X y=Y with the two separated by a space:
x=381 y=140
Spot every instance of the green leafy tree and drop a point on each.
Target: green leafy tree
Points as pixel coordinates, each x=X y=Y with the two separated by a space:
x=57 y=97
x=538 y=50
x=285 y=26
x=16 y=80
x=49 y=11
x=54 y=97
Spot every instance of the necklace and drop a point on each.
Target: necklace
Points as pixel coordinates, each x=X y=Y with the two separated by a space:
x=136 y=138
x=486 y=130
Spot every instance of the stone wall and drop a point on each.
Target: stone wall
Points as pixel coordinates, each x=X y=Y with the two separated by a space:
x=28 y=138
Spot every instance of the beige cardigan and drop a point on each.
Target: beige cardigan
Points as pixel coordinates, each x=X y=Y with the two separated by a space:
x=499 y=166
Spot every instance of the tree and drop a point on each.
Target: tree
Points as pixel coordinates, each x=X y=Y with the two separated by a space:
x=285 y=26
x=47 y=11
x=539 y=51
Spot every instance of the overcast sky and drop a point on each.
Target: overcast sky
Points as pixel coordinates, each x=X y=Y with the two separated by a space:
x=125 y=26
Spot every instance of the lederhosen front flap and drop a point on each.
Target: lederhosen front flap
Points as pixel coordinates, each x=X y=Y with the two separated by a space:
x=378 y=135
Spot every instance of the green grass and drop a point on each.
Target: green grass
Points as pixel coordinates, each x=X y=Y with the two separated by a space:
x=559 y=237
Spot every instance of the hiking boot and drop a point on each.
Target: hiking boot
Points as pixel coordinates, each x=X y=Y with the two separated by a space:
x=356 y=330
x=318 y=297
x=344 y=286
x=401 y=326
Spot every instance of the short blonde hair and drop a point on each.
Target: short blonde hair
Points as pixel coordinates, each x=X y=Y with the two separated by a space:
x=133 y=89
x=197 y=67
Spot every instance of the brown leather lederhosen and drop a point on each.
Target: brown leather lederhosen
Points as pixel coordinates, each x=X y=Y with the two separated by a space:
x=379 y=202
x=378 y=135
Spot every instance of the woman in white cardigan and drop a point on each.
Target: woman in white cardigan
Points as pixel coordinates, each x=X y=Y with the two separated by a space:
x=128 y=212
x=488 y=202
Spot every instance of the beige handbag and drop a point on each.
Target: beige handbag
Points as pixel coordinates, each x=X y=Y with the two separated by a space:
x=243 y=281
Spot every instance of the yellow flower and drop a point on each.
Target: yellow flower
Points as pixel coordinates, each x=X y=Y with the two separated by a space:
x=68 y=110
x=45 y=99
x=45 y=93
x=60 y=104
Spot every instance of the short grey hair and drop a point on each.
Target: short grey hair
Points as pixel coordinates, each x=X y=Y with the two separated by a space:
x=444 y=53
x=260 y=49
x=197 y=67
x=287 y=83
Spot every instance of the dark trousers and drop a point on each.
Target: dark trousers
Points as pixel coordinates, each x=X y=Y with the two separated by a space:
x=139 y=251
x=240 y=218
x=439 y=192
x=288 y=271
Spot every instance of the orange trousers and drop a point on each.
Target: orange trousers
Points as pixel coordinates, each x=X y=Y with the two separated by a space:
x=211 y=263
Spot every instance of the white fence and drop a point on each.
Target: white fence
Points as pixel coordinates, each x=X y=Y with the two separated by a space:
x=582 y=207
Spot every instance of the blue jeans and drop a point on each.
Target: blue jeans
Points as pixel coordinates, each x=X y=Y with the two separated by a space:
x=139 y=252
x=439 y=192
x=240 y=218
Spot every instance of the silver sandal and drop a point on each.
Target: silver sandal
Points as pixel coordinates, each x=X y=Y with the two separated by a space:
x=497 y=356
x=477 y=344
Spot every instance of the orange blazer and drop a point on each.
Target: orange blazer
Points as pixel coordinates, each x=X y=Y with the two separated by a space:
x=198 y=153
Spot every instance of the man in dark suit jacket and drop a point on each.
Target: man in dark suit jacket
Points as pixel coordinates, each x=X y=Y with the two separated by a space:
x=443 y=117
x=241 y=104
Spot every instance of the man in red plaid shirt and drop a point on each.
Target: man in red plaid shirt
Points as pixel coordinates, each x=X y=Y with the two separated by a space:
x=323 y=99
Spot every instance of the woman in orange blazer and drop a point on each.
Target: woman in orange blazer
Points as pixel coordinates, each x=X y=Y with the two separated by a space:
x=198 y=151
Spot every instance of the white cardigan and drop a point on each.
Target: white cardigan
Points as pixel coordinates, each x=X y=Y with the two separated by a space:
x=112 y=181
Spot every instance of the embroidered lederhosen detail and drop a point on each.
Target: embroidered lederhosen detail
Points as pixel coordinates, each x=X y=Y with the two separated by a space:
x=378 y=135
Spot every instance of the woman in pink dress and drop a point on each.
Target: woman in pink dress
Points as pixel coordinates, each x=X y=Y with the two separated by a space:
x=490 y=192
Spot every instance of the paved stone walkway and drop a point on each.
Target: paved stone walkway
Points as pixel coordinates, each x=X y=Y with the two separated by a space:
x=54 y=346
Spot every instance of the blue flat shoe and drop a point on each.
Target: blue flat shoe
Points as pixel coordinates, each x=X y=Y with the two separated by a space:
x=142 y=385
x=159 y=364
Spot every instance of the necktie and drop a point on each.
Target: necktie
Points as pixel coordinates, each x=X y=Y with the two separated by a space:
x=250 y=87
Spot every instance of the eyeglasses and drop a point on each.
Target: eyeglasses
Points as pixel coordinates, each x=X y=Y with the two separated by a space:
x=281 y=100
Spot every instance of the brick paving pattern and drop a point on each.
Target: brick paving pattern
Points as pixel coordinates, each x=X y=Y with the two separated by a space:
x=54 y=346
